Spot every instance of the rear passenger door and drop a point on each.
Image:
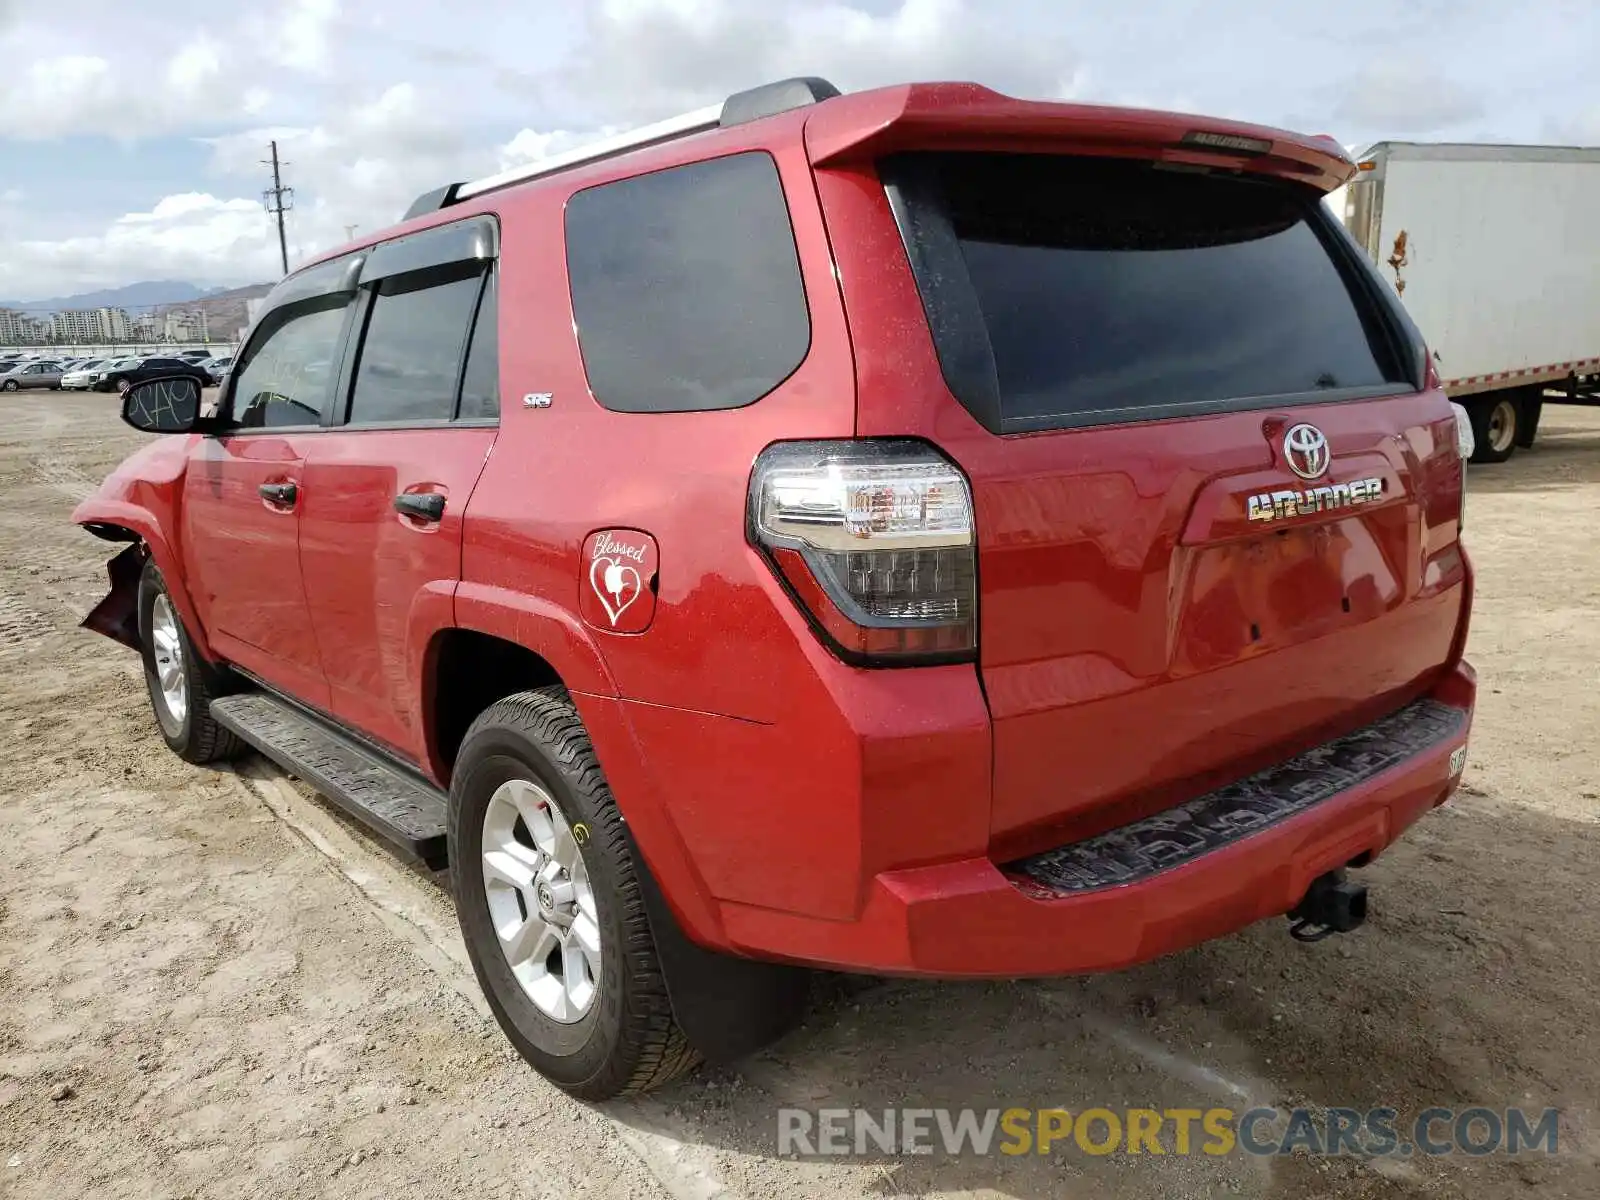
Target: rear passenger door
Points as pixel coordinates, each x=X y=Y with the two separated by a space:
x=386 y=485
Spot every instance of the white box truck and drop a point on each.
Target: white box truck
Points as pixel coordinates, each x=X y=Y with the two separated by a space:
x=1495 y=252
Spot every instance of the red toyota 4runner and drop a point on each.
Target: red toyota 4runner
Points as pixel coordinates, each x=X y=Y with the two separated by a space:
x=914 y=532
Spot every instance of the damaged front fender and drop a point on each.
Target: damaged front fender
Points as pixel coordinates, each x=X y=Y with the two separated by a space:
x=117 y=616
x=141 y=502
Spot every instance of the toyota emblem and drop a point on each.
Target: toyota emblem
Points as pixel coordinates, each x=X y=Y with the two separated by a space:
x=1305 y=449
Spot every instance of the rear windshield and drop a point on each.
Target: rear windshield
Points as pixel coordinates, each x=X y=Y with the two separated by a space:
x=1078 y=291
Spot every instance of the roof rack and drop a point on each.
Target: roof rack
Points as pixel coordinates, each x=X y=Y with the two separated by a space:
x=765 y=101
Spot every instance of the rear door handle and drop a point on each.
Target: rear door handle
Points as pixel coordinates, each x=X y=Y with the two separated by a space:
x=422 y=506
x=281 y=494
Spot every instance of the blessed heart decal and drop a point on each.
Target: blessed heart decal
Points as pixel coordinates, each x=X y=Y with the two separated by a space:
x=621 y=567
x=617 y=584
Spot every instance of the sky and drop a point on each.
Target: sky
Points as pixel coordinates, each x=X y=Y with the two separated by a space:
x=131 y=135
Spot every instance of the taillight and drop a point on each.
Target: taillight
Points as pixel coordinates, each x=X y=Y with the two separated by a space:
x=1466 y=446
x=875 y=541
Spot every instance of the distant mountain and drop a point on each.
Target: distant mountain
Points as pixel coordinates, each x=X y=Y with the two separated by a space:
x=227 y=312
x=133 y=296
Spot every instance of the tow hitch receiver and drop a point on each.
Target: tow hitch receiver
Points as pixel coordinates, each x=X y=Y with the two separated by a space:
x=1331 y=905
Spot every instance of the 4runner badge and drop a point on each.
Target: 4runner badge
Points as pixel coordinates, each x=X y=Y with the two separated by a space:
x=1290 y=502
x=617 y=590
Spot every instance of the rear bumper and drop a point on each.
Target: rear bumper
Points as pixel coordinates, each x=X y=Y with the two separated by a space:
x=1134 y=895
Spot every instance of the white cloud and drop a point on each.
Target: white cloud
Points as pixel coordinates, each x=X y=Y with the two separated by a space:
x=374 y=104
x=47 y=97
x=361 y=167
x=1580 y=128
x=530 y=145
x=1406 y=98
x=193 y=236
x=646 y=57
x=299 y=37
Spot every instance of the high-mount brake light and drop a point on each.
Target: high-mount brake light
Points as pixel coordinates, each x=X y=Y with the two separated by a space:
x=875 y=539
x=1226 y=141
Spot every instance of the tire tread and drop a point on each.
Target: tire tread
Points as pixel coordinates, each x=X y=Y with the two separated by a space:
x=662 y=1053
x=209 y=740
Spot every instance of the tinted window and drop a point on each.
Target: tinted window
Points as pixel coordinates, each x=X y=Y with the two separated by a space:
x=480 y=386
x=686 y=286
x=285 y=378
x=1113 y=290
x=411 y=356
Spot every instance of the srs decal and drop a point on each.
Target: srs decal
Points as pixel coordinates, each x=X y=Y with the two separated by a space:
x=618 y=584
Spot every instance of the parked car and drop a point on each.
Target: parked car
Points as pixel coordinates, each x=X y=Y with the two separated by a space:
x=119 y=375
x=105 y=369
x=907 y=532
x=83 y=375
x=31 y=375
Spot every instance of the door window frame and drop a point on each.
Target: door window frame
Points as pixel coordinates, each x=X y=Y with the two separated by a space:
x=356 y=276
x=338 y=414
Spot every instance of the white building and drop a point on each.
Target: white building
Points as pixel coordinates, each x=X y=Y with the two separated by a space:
x=16 y=329
x=90 y=325
x=185 y=325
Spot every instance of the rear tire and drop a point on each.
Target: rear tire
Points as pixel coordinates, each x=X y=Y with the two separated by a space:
x=611 y=1032
x=181 y=683
x=1532 y=410
x=1496 y=420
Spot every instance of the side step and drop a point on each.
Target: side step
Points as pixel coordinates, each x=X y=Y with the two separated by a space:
x=396 y=804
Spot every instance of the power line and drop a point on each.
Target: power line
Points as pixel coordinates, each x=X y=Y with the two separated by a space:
x=278 y=200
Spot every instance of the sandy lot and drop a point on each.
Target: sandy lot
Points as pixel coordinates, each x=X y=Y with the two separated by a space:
x=233 y=993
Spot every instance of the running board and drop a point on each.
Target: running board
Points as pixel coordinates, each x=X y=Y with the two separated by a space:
x=397 y=805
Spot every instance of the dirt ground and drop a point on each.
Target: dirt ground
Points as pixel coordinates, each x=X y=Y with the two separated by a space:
x=210 y=986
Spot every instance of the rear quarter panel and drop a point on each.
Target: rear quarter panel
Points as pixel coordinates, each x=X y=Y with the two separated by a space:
x=717 y=643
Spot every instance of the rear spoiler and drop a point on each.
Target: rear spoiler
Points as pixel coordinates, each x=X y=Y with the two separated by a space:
x=967 y=116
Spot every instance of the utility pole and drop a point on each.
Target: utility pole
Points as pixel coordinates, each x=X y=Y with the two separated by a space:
x=278 y=200
x=350 y=232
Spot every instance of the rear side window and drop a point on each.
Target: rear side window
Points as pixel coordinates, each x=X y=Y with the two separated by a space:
x=1069 y=291
x=411 y=354
x=686 y=286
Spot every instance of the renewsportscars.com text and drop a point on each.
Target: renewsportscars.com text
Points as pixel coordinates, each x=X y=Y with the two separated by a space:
x=1175 y=1131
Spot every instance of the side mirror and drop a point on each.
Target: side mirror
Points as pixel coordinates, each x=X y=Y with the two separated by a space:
x=170 y=405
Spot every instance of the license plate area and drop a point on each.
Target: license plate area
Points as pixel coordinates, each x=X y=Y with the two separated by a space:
x=1287 y=586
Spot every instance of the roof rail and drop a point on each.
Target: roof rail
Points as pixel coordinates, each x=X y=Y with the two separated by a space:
x=764 y=101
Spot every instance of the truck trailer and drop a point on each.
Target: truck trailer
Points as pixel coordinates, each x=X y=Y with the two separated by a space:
x=1495 y=253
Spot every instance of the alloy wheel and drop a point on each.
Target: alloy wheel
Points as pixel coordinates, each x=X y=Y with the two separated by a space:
x=166 y=645
x=540 y=900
